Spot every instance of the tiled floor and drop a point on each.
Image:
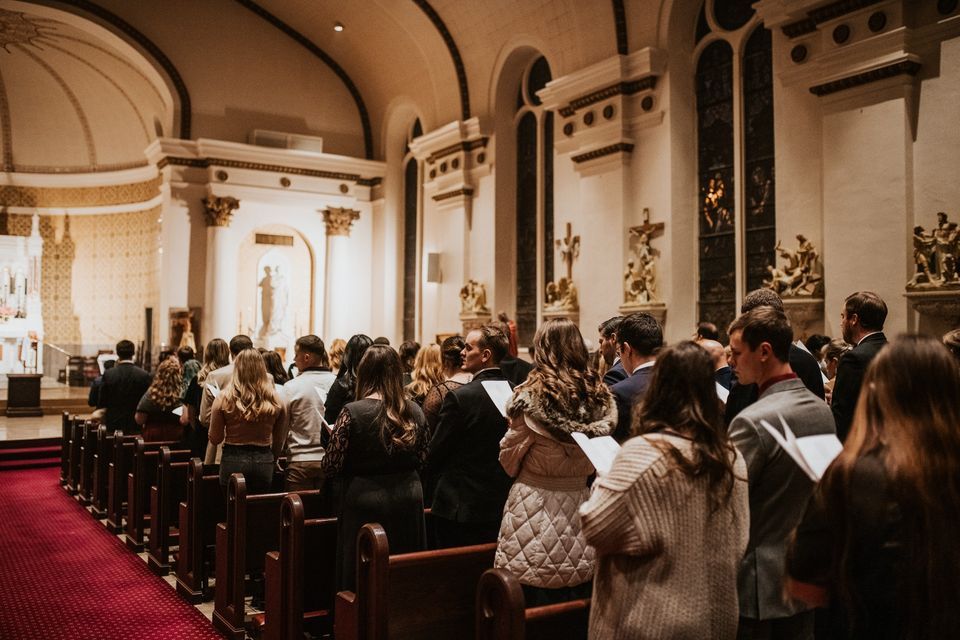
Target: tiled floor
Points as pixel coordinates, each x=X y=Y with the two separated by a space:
x=47 y=426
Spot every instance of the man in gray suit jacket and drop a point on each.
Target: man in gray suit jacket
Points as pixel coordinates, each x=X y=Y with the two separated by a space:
x=779 y=489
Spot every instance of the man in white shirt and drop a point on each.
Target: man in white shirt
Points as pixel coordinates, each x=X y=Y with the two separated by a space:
x=304 y=398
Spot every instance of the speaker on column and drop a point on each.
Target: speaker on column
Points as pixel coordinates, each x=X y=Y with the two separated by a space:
x=433 y=267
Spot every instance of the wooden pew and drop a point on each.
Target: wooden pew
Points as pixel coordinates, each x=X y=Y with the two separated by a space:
x=65 y=426
x=501 y=613
x=101 y=472
x=143 y=475
x=73 y=471
x=119 y=466
x=165 y=497
x=88 y=449
x=252 y=528
x=301 y=576
x=203 y=507
x=426 y=594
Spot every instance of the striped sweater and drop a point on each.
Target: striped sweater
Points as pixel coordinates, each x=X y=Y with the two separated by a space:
x=666 y=566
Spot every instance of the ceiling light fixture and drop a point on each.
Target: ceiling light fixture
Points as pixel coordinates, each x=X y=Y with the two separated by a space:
x=338 y=26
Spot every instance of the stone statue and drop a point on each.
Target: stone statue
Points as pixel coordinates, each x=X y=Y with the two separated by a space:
x=562 y=295
x=935 y=255
x=473 y=298
x=273 y=301
x=640 y=277
x=800 y=276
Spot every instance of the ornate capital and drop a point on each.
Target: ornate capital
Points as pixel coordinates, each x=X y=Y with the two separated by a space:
x=218 y=211
x=338 y=220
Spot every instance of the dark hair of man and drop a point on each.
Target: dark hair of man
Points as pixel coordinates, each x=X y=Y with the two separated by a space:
x=379 y=372
x=125 y=350
x=382 y=340
x=761 y=298
x=239 y=343
x=494 y=339
x=610 y=326
x=765 y=324
x=185 y=354
x=642 y=332
x=708 y=331
x=869 y=308
x=682 y=397
x=815 y=343
x=451 y=352
x=408 y=353
x=357 y=345
x=314 y=345
x=109 y=364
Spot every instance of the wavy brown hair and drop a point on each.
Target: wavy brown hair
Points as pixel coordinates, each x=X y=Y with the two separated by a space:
x=561 y=372
x=215 y=356
x=682 y=397
x=380 y=372
x=167 y=384
x=251 y=394
x=909 y=415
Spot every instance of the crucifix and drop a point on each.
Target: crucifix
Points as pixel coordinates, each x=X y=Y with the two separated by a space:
x=650 y=230
x=569 y=247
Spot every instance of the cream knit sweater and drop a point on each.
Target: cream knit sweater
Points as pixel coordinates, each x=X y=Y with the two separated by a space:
x=666 y=566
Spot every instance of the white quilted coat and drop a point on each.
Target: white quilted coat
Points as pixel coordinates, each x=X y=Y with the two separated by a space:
x=540 y=540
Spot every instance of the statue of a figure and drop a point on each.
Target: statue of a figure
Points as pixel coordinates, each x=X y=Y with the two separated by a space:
x=640 y=278
x=800 y=276
x=562 y=295
x=273 y=301
x=935 y=254
x=473 y=298
x=715 y=213
x=923 y=248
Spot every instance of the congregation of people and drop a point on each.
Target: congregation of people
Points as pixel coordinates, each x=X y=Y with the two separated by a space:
x=702 y=527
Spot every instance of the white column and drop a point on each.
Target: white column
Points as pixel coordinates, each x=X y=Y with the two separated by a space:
x=220 y=317
x=174 y=248
x=341 y=294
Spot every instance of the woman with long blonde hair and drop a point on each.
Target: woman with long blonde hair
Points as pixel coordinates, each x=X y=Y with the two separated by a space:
x=427 y=372
x=879 y=538
x=247 y=417
x=215 y=356
x=155 y=409
x=387 y=445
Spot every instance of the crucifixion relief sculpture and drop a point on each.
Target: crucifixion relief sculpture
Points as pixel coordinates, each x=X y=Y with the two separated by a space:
x=801 y=275
x=640 y=276
x=562 y=294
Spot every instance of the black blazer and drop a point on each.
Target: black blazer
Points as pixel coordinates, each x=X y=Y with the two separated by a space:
x=614 y=374
x=846 y=389
x=724 y=377
x=627 y=393
x=515 y=370
x=803 y=364
x=464 y=455
x=120 y=392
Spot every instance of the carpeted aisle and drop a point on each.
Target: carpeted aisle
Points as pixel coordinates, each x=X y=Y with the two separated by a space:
x=62 y=575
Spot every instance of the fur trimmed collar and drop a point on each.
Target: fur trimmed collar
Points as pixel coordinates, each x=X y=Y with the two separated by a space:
x=594 y=420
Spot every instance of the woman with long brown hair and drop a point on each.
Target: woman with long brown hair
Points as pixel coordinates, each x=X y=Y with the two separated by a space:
x=247 y=417
x=215 y=356
x=560 y=397
x=155 y=409
x=879 y=538
x=670 y=521
x=376 y=448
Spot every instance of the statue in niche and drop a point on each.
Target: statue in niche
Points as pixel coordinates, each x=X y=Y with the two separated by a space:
x=562 y=295
x=473 y=298
x=273 y=301
x=640 y=276
x=935 y=255
x=800 y=276
x=716 y=215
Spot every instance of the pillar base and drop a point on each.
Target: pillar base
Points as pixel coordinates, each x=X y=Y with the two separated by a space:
x=573 y=315
x=656 y=309
x=474 y=320
x=805 y=316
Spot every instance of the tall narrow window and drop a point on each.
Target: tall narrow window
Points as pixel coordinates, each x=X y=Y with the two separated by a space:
x=534 y=129
x=735 y=157
x=411 y=191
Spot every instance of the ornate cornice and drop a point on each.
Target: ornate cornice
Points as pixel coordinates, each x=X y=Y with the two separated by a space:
x=219 y=210
x=204 y=163
x=625 y=147
x=904 y=67
x=339 y=220
x=109 y=195
x=815 y=17
x=324 y=57
x=621 y=88
x=454 y=55
x=465 y=146
x=465 y=191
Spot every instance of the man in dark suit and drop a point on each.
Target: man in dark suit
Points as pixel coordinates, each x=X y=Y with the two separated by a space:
x=608 y=350
x=121 y=390
x=514 y=369
x=801 y=362
x=464 y=454
x=861 y=324
x=639 y=339
x=779 y=490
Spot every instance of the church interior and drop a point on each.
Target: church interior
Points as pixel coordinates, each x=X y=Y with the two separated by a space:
x=175 y=171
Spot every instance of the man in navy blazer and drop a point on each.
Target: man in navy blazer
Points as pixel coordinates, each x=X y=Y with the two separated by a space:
x=608 y=351
x=639 y=338
x=861 y=323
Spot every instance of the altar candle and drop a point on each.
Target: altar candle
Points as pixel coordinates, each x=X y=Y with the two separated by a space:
x=5 y=287
x=21 y=289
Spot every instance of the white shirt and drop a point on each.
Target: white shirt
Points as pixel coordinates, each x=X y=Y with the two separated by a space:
x=644 y=366
x=303 y=398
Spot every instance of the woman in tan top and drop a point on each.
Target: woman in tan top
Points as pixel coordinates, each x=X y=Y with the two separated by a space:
x=670 y=520
x=247 y=417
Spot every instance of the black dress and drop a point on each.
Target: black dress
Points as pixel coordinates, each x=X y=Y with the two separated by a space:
x=379 y=484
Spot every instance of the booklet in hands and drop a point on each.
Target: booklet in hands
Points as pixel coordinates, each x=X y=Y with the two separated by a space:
x=500 y=392
x=813 y=454
x=600 y=451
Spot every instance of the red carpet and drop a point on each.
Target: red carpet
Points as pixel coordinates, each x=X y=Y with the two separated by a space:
x=62 y=575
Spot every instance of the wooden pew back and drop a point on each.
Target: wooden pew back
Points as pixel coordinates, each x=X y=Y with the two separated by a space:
x=142 y=476
x=88 y=450
x=101 y=469
x=165 y=497
x=501 y=613
x=201 y=510
x=65 y=426
x=76 y=440
x=117 y=470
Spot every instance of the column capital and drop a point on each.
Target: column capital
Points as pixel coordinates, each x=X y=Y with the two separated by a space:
x=339 y=220
x=218 y=210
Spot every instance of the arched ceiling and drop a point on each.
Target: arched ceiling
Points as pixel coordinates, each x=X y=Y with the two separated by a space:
x=73 y=98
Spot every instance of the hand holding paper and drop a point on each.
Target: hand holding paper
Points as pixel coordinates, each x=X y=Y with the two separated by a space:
x=600 y=451
x=214 y=389
x=813 y=454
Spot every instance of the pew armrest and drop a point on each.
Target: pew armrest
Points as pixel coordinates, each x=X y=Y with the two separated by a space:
x=345 y=623
x=273 y=611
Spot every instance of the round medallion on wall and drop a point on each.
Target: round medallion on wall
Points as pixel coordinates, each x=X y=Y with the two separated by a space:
x=222 y=175
x=588 y=118
x=841 y=33
x=647 y=103
x=433 y=173
x=946 y=7
x=284 y=182
x=344 y=188
x=443 y=167
x=608 y=111
x=877 y=21
x=799 y=53
x=455 y=163
x=481 y=158
x=568 y=129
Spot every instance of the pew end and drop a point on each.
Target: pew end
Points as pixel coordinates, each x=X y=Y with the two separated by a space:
x=502 y=614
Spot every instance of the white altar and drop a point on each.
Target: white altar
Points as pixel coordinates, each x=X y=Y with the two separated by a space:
x=21 y=316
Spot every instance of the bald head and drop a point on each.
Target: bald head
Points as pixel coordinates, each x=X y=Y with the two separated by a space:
x=717 y=353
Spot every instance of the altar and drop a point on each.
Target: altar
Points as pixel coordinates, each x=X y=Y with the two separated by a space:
x=21 y=317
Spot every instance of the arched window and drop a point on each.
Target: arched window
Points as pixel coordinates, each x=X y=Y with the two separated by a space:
x=735 y=156
x=534 y=131
x=411 y=194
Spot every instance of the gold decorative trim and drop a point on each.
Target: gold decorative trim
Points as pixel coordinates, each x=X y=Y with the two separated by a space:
x=14 y=196
x=339 y=220
x=269 y=238
x=621 y=88
x=204 y=163
x=625 y=147
x=466 y=191
x=479 y=143
x=218 y=211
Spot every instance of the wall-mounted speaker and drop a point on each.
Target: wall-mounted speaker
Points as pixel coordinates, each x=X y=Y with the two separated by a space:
x=433 y=267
